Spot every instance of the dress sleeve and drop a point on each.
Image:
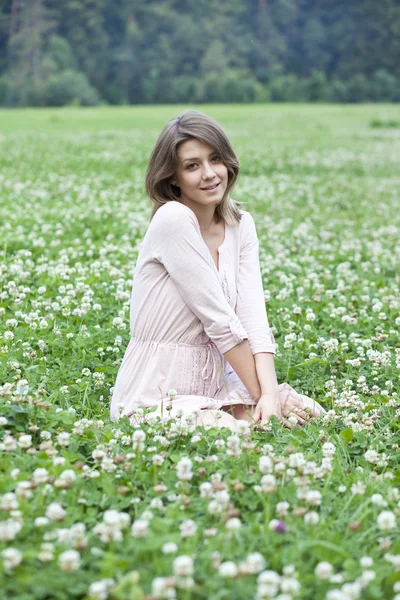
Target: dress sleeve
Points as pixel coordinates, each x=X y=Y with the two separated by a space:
x=250 y=304
x=177 y=243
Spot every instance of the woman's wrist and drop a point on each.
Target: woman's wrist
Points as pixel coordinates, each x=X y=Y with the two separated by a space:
x=266 y=373
x=270 y=394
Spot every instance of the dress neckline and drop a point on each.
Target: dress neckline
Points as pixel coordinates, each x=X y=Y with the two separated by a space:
x=220 y=248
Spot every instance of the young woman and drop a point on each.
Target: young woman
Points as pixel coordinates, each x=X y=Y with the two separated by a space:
x=200 y=338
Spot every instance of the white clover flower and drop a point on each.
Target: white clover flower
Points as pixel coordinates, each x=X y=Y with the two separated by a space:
x=265 y=464
x=214 y=507
x=228 y=569
x=99 y=590
x=358 y=489
x=147 y=514
x=188 y=528
x=169 y=548
x=371 y=456
x=184 y=469
x=328 y=450
x=394 y=559
x=366 y=562
x=233 y=524
x=290 y=586
x=9 y=443
x=108 y=465
x=222 y=497
x=9 y=501
x=282 y=508
x=297 y=460
x=41 y=521
x=70 y=560
x=161 y=589
x=269 y=578
x=254 y=563
x=40 y=475
x=311 y=518
x=272 y=525
x=64 y=438
x=366 y=577
x=46 y=552
x=183 y=566
x=379 y=500
x=386 y=520
x=9 y=529
x=140 y=528
x=206 y=490
x=55 y=512
x=313 y=497
x=157 y=503
x=268 y=484
x=65 y=479
x=114 y=518
x=23 y=489
x=233 y=445
x=323 y=570
x=118 y=323
x=11 y=558
x=25 y=441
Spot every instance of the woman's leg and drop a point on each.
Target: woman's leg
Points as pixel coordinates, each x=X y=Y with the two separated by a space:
x=240 y=411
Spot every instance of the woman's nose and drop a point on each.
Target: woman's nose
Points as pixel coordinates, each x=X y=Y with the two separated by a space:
x=208 y=171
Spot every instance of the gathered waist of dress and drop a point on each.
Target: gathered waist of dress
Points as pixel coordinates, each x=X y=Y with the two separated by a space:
x=171 y=344
x=211 y=370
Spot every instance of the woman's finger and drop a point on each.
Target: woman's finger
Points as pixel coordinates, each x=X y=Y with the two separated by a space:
x=310 y=405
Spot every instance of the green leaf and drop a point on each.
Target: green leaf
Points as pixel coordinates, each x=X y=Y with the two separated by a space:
x=347 y=435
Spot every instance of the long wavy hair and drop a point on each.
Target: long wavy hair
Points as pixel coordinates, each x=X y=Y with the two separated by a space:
x=163 y=162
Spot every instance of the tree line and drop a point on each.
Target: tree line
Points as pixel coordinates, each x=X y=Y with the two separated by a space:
x=88 y=52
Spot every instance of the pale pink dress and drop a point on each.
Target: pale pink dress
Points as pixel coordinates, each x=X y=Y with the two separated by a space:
x=185 y=314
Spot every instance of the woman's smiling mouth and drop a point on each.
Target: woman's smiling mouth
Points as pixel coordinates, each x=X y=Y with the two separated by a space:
x=210 y=188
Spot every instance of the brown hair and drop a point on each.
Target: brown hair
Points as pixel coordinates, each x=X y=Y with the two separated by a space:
x=164 y=160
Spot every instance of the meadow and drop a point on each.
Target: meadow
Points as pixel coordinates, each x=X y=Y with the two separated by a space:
x=91 y=509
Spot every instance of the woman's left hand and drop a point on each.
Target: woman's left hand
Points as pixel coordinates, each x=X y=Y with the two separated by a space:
x=297 y=405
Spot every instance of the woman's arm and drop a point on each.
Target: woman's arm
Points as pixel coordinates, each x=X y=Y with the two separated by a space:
x=257 y=372
x=176 y=242
x=265 y=367
x=250 y=308
x=242 y=361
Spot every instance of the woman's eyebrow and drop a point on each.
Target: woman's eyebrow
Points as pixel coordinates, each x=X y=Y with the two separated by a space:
x=195 y=158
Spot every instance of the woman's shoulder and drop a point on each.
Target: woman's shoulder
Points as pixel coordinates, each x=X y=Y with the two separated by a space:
x=169 y=220
x=247 y=220
x=171 y=214
x=173 y=207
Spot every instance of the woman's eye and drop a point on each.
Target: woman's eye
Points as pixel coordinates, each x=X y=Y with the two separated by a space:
x=215 y=159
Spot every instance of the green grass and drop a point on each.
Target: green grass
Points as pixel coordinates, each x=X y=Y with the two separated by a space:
x=323 y=184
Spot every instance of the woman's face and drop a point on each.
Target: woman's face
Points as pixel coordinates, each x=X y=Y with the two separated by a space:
x=200 y=167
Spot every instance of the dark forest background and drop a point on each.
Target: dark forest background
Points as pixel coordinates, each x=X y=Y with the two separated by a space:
x=57 y=52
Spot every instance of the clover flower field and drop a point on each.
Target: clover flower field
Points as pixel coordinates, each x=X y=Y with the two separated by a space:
x=93 y=509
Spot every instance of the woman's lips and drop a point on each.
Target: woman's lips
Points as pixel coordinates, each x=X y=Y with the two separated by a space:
x=212 y=190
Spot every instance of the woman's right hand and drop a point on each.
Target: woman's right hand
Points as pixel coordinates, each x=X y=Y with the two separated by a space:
x=268 y=405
